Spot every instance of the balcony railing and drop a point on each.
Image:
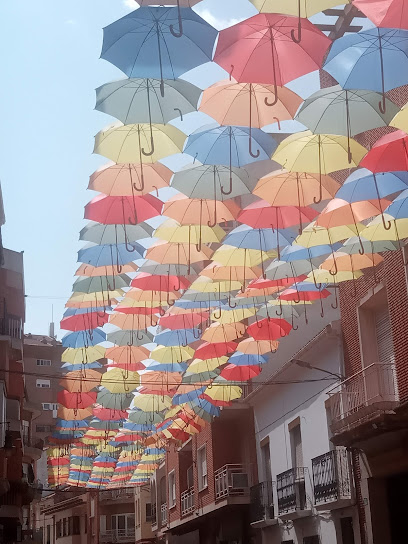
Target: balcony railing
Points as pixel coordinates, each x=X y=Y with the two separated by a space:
x=373 y=388
x=332 y=477
x=117 y=535
x=163 y=510
x=12 y=326
x=290 y=486
x=117 y=494
x=231 y=480
x=187 y=502
x=153 y=513
x=262 y=508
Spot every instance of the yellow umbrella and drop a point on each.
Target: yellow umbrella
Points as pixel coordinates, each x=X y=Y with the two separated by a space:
x=134 y=143
x=291 y=7
x=221 y=392
x=171 y=354
x=151 y=403
x=118 y=380
x=207 y=285
x=130 y=303
x=83 y=355
x=236 y=256
x=233 y=316
x=218 y=333
x=217 y=271
x=401 y=119
x=199 y=366
x=257 y=347
x=375 y=230
x=93 y=300
x=169 y=253
x=172 y=231
x=314 y=235
x=324 y=276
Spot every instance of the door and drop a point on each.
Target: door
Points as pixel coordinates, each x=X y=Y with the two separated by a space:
x=347 y=531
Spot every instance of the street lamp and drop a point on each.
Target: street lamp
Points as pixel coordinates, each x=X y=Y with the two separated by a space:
x=305 y=364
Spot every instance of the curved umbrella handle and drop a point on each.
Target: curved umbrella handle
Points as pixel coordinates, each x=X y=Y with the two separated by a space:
x=361 y=249
x=150 y=153
x=320 y=173
x=297 y=38
x=275 y=100
x=280 y=312
x=295 y=328
x=321 y=307
x=170 y=302
x=179 y=112
x=133 y=220
x=180 y=23
x=257 y=153
x=223 y=191
x=139 y=337
x=278 y=121
x=257 y=322
x=336 y=269
x=162 y=312
x=231 y=305
x=382 y=104
x=132 y=183
x=129 y=248
x=219 y=316
x=336 y=305
x=213 y=224
x=232 y=69
x=253 y=155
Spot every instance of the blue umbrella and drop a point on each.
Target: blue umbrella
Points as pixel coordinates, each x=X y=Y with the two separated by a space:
x=79 y=311
x=203 y=405
x=261 y=239
x=246 y=359
x=154 y=451
x=129 y=426
x=81 y=339
x=298 y=253
x=64 y=424
x=69 y=368
x=144 y=43
x=171 y=367
x=375 y=59
x=177 y=337
x=399 y=208
x=229 y=146
x=78 y=476
x=188 y=304
x=113 y=255
x=362 y=184
x=188 y=397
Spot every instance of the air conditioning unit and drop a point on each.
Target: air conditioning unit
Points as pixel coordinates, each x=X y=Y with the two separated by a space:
x=239 y=480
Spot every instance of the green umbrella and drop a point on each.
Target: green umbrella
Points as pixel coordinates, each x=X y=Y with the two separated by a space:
x=129 y=337
x=115 y=234
x=100 y=283
x=353 y=246
x=114 y=401
x=139 y=100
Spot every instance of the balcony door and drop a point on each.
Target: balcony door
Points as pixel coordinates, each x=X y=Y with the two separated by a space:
x=383 y=332
x=266 y=462
x=123 y=523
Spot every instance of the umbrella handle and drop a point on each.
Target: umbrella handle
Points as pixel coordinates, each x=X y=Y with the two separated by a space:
x=274 y=102
x=257 y=153
x=336 y=305
x=335 y=268
x=306 y=319
x=223 y=191
x=295 y=328
x=150 y=153
x=179 y=112
x=162 y=312
x=194 y=334
x=230 y=74
x=157 y=190
x=298 y=38
x=382 y=104
x=257 y=322
x=210 y=223
x=278 y=121
x=361 y=250
x=253 y=155
x=180 y=23
x=219 y=316
x=138 y=337
x=132 y=183
x=321 y=307
x=233 y=305
x=280 y=312
x=129 y=249
x=133 y=221
x=169 y=302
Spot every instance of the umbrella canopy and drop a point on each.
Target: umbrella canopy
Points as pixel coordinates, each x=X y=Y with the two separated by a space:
x=127 y=354
x=340 y=212
x=122 y=209
x=364 y=185
x=133 y=321
x=117 y=380
x=260 y=49
x=183 y=321
x=269 y=329
x=81 y=339
x=96 y=285
x=239 y=373
x=385 y=13
x=343 y=262
x=160 y=282
x=217 y=332
x=138 y=100
x=129 y=179
x=76 y=400
x=388 y=154
x=80 y=382
x=110 y=255
x=108 y=270
x=142 y=143
x=83 y=355
x=168 y=253
x=261 y=215
x=86 y=321
x=217 y=271
x=199 y=211
x=126 y=337
x=291 y=7
x=146 y=42
x=168 y=355
x=114 y=234
x=257 y=347
x=172 y=231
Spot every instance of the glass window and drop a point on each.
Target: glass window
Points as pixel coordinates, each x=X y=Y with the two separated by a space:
x=43 y=383
x=43 y=362
x=202 y=467
x=172 y=488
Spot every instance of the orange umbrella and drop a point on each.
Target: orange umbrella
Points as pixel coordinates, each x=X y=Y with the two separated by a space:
x=248 y=104
x=194 y=211
x=141 y=295
x=224 y=333
x=127 y=354
x=282 y=188
x=130 y=179
x=217 y=271
x=259 y=292
x=74 y=415
x=133 y=321
x=169 y=253
x=94 y=271
x=343 y=262
x=251 y=346
x=81 y=381
x=340 y=212
x=161 y=381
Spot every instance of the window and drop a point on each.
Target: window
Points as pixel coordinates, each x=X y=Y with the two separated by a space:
x=58 y=529
x=202 y=468
x=296 y=443
x=74 y=525
x=48 y=540
x=43 y=362
x=125 y=523
x=49 y=406
x=65 y=527
x=266 y=461
x=43 y=383
x=149 y=514
x=190 y=477
x=383 y=332
x=43 y=428
x=172 y=489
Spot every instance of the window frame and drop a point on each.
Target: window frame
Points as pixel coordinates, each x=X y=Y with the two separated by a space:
x=43 y=362
x=201 y=462
x=43 y=384
x=172 y=489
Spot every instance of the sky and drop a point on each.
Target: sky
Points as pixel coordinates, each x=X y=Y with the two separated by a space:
x=50 y=69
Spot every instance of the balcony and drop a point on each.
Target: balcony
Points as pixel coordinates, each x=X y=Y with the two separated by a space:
x=187 y=502
x=33 y=447
x=291 y=490
x=332 y=480
x=153 y=514
x=118 y=495
x=163 y=511
x=369 y=392
x=114 y=536
x=11 y=326
x=231 y=481
x=262 y=509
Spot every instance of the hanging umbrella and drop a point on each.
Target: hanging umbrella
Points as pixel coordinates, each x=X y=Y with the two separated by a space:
x=76 y=400
x=306 y=8
x=261 y=50
x=93 y=300
x=117 y=380
x=172 y=231
x=367 y=60
x=389 y=153
x=134 y=322
x=114 y=234
x=158 y=42
x=123 y=209
x=257 y=347
x=151 y=403
x=318 y=153
x=80 y=382
x=183 y=321
x=85 y=321
x=248 y=359
x=163 y=354
x=117 y=401
x=229 y=145
x=109 y=270
x=209 y=350
x=142 y=143
x=352 y=245
x=375 y=231
x=235 y=256
x=81 y=339
x=340 y=212
x=83 y=355
x=110 y=255
x=269 y=329
x=160 y=283
x=217 y=271
x=126 y=179
x=305 y=292
x=261 y=215
x=199 y=211
x=168 y=253
x=221 y=393
x=127 y=354
x=281 y=269
x=66 y=367
x=138 y=100
x=234 y=373
x=126 y=337
x=385 y=13
x=154 y=268
x=246 y=104
x=177 y=337
x=365 y=185
x=315 y=235
x=96 y=285
x=217 y=333
x=282 y=188
x=344 y=262
x=208 y=285
x=236 y=315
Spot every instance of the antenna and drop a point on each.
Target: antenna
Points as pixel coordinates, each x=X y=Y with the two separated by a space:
x=52 y=324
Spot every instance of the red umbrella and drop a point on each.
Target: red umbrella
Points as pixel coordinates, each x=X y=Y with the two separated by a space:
x=213 y=351
x=305 y=296
x=130 y=367
x=83 y=322
x=269 y=329
x=261 y=215
x=123 y=210
x=108 y=414
x=385 y=13
x=183 y=321
x=137 y=310
x=388 y=154
x=58 y=461
x=77 y=401
x=265 y=284
x=240 y=373
x=131 y=437
x=261 y=50
x=160 y=283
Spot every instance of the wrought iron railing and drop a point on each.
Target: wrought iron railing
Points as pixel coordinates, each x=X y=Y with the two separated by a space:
x=187 y=502
x=163 y=518
x=231 y=480
x=373 y=388
x=117 y=494
x=11 y=325
x=262 y=507
x=290 y=486
x=332 y=476
x=117 y=536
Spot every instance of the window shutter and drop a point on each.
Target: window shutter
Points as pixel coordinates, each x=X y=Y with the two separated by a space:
x=383 y=332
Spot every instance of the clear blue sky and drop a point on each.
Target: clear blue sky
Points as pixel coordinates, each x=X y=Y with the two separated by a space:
x=50 y=68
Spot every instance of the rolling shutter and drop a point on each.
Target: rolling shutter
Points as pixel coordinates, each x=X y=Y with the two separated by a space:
x=384 y=336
